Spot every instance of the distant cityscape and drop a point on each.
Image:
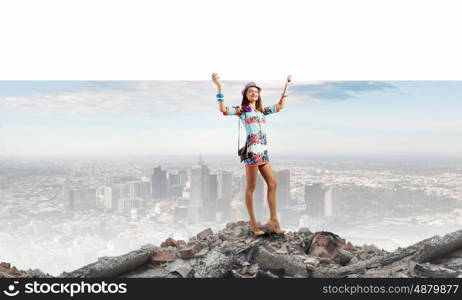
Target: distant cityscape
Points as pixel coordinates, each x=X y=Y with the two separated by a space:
x=68 y=213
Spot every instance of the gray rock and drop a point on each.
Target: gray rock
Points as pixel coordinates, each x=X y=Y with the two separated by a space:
x=36 y=273
x=291 y=265
x=438 y=247
x=433 y=271
x=265 y=274
x=312 y=260
x=343 y=257
x=113 y=266
x=304 y=230
x=203 y=252
x=5 y=275
x=353 y=260
x=148 y=271
x=181 y=266
x=282 y=250
x=216 y=244
x=214 y=265
x=451 y=263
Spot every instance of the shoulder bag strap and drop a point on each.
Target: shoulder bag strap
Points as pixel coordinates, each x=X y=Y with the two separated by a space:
x=239 y=131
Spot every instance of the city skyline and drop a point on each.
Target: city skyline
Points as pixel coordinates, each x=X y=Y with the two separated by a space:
x=181 y=118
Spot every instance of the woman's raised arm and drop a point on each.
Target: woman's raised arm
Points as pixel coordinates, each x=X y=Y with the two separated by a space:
x=220 y=100
x=280 y=104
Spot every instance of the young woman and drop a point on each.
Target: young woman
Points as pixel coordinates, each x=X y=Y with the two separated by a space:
x=252 y=113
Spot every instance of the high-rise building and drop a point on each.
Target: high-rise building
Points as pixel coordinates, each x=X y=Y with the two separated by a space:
x=145 y=189
x=77 y=199
x=111 y=195
x=328 y=204
x=159 y=183
x=183 y=177
x=175 y=188
x=210 y=206
x=173 y=179
x=199 y=183
x=283 y=188
x=318 y=199
x=117 y=197
x=224 y=195
x=204 y=190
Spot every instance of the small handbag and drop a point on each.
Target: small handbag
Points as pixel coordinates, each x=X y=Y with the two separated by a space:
x=242 y=152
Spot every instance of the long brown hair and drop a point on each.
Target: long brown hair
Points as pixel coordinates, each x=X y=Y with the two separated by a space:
x=258 y=104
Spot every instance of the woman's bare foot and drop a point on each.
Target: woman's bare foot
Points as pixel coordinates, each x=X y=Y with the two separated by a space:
x=255 y=228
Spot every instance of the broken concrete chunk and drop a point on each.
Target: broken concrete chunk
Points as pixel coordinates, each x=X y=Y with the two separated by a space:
x=164 y=255
x=191 y=249
x=292 y=265
x=180 y=266
x=324 y=244
x=432 y=271
x=204 y=234
x=169 y=243
x=35 y=273
x=6 y=275
x=180 y=244
x=304 y=230
x=214 y=265
x=147 y=271
x=343 y=257
x=311 y=260
x=115 y=265
x=438 y=247
x=5 y=265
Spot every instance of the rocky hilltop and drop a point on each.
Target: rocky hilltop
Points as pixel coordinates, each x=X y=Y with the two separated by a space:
x=235 y=252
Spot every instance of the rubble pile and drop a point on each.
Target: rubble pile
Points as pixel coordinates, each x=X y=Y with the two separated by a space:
x=8 y=271
x=235 y=252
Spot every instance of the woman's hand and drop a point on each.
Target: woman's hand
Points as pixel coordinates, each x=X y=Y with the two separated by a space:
x=289 y=79
x=216 y=79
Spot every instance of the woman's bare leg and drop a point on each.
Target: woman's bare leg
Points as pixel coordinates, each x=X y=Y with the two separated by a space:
x=251 y=175
x=270 y=180
x=268 y=175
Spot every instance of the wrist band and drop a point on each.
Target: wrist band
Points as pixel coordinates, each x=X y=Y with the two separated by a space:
x=220 y=100
x=220 y=96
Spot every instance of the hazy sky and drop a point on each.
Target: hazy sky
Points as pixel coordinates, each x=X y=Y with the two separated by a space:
x=181 y=117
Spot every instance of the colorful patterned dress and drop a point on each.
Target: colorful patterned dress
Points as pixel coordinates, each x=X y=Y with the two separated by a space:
x=254 y=122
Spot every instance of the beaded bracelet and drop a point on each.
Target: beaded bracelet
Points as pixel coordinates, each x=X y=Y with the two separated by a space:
x=220 y=100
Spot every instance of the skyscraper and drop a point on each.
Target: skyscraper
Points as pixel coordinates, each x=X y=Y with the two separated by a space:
x=204 y=190
x=224 y=196
x=77 y=199
x=283 y=188
x=199 y=183
x=111 y=195
x=159 y=183
x=174 y=185
x=328 y=204
x=183 y=177
x=318 y=199
x=210 y=205
x=173 y=179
